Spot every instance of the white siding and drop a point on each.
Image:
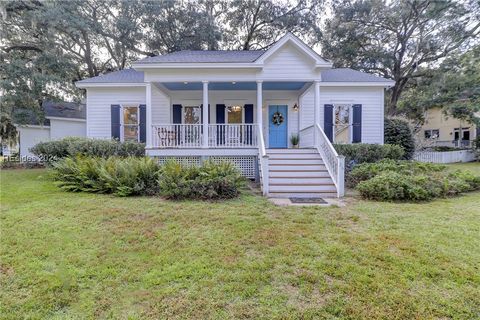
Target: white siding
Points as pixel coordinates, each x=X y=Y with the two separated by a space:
x=288 y=63
x=30 y=136
x=66 y=128
x=99 y=101
x=371 y=99
x=161 y=110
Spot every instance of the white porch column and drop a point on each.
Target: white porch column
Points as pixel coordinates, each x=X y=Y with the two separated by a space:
x=148 y=111
x=259 y=104
x=205 y=114
x=316 y=109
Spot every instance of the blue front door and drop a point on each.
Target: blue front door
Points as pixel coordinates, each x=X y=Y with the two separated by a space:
x=277 y=126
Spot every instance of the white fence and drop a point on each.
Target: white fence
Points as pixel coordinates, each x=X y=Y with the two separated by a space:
x=445 y=156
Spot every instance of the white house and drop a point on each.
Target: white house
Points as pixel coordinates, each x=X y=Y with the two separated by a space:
x=244 y=106
x=62 y=119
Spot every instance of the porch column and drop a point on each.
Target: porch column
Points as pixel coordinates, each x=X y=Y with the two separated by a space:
x=148 y=111
x=259 y=104
x=316 y=109
x=205 y=114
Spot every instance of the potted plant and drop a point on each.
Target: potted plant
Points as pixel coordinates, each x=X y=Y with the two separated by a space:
x=295 y=140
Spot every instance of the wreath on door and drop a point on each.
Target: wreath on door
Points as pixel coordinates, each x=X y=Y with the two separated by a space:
x=277 y=118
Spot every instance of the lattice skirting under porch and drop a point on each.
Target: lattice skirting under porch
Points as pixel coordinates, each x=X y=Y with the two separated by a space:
x=246 y=164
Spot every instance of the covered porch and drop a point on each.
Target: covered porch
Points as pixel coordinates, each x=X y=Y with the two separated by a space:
x=237 y=116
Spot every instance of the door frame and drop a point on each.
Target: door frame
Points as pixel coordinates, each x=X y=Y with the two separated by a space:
x=286 y=124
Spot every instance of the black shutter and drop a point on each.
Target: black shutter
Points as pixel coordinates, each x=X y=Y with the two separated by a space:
x=143 y=122
x=177 y=114
x=328 y=121
x=220 y=112
x=357 y=123
x=248 y=119
x=115 y=121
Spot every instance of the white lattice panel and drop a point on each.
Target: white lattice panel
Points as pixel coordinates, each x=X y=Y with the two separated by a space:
x=246 y=164
x=186 y=160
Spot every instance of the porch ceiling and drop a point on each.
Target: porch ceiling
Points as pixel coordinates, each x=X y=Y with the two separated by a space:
x=267 y=85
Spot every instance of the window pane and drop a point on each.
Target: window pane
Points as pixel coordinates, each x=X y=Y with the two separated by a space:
x=192 y=115
x=130 y=133
x=428 y=134
x=234 y=114
x=342 y=123
x=130 y=115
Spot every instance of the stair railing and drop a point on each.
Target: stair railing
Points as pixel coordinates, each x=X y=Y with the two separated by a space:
x=263 y=160
x=335 y=163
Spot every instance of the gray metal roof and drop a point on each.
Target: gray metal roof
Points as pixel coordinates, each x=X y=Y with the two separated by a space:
x=329 y=75
x=349 y=75
x=121 y=76
x=67 y=110
x=205 y=56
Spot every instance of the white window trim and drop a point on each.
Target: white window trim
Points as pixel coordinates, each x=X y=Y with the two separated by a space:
x=350 y=121
x=122 y=124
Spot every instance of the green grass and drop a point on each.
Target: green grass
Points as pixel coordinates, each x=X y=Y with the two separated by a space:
x=69 y=256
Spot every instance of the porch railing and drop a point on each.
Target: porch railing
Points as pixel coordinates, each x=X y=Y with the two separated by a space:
x=335 y=164
x=313 y=136
x=263 y=161
x=232 y=136
x=191 y=136
x=177 y=136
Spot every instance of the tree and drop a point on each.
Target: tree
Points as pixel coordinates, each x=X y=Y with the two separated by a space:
x=454 y=86
x=398 y=39
x=257 y=24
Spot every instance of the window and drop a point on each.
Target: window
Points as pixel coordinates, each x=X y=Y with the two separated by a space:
x=234 y=114
x=342 y=123
x=130 y=119
x=432 y=133
x=192 y=115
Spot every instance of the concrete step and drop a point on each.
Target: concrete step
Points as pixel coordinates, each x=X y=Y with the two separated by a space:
x=293 y=181
x=302 y=188
x=302 y=194
x=296 y=167
x=299 y=156
x=297 y=162
x=299 y=150
x=299 y=174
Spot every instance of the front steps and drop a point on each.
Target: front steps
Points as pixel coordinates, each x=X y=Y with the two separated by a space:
x=298 y=173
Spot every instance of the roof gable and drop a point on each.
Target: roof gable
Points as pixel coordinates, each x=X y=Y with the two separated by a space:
x=289 y=38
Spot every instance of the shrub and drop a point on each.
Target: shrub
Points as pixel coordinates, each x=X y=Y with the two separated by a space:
x=364 y=153
x=209 y=181
x=398 y=132
x=73 y=146
x=367 y=171
x=120 y=176
x=413 y=181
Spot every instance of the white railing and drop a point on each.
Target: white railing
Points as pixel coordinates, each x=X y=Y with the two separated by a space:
x=232 y=136
x=335 y=164
x=177 y=136
x=262 y=160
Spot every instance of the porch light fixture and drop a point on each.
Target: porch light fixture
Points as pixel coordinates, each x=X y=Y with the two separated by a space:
x=295 y=107
x=234 y=108
x=185 y=82
x=233 y=82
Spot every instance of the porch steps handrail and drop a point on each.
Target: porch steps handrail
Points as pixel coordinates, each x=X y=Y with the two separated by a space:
x=334 y=163
x=263 y=160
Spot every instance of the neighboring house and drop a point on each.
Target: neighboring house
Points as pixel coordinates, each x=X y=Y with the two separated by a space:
x=244 y=106
x=62 y=119
x=442 y=130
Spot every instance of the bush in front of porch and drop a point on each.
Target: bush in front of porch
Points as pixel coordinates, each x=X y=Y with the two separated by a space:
x=358 y=153
x=144 y=176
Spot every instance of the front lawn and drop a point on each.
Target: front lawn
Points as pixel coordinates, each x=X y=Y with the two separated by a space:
x=79 y=255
